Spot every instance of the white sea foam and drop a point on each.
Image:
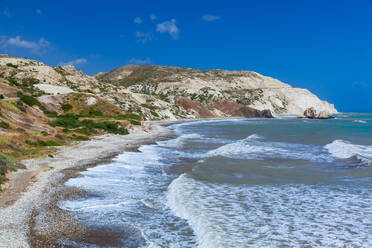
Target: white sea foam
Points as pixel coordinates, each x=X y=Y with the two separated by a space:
x=256 y=147
x=285 y=117
x=224 y=215
x=343 y=150
x=360 y=121
x=179 y=141
x=127 y=193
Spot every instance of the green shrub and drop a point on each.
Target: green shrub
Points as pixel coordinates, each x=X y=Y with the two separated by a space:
x=87 y=126
x=1 y=96
x=11 y=65
x=134 y=122
x=4 y=124
x=129 y=116
x=79 y=138
x=113 y=127
x=50 y=155
x=29 y=100
x=93 y=112
x=67 y=121
x=12 y=81
x=154 y=113
x=66 y=107
x=148 y=106
x=51 y=114
x=48 y=143
x=86 y=131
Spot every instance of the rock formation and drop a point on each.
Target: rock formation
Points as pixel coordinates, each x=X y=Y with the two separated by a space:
x=311 y=113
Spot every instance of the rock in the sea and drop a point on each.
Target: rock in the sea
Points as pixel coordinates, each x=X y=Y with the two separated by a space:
x=312 y=114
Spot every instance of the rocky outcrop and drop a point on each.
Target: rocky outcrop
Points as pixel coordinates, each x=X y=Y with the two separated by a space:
x=199 y=110
x=311 y=113
x=231 y=108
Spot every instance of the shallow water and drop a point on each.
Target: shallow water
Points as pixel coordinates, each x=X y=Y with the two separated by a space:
x=282 y=182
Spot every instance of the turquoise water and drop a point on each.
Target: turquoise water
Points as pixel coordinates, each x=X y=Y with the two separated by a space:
x=282 y=182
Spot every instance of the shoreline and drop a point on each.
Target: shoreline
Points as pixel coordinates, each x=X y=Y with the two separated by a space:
x=32 y=217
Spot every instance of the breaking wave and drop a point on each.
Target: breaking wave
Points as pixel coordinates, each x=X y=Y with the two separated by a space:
x=343 y=150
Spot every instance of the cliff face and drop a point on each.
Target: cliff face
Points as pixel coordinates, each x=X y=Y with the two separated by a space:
x=208 y=87
x=164 y=92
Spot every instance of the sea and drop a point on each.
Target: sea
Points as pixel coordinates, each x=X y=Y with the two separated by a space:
x=281 y=182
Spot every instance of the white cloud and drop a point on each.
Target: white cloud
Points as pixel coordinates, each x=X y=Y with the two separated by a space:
x=6 y=13
x=143 y=37
x=153 y=17
x=137 y=20
x=75 y=62
x=169 y=27
x=38 y=11
x=210 y=18
x=145 y=61
x=19 y=43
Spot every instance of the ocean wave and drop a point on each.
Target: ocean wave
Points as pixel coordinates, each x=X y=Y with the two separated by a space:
x=226 y=215
x=360 y=121
x=256 y=147
x=343 y=150
x=285 y=117
x=179 y=141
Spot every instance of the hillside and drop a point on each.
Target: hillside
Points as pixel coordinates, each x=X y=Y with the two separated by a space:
x=34 y=123
x=164 y=92
x=219 y=91
x=42 y=107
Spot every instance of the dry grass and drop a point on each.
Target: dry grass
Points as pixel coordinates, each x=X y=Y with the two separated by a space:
x=11 y=106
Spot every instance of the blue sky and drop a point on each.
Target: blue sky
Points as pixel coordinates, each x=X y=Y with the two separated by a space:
x=322 y=45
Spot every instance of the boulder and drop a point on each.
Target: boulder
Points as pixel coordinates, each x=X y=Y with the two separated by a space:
x=311 y=113
x=325 y=115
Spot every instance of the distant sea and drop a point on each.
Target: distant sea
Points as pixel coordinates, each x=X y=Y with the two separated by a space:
x=282 y=182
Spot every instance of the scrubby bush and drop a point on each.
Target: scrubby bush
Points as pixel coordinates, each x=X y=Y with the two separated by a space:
x=4 y=124
x=12 y=164
x=12 y=81
x=79 y=138
x=48 y=143
x=154 y=113
x=1 y=96
x=12 y=65
x=129 y=116
x=87 y=126
x=93 y=112
x=66 y=107
x=134 y=122
x=148 y=106
x=51 y=114
x=29 y=100
x=67 y=121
